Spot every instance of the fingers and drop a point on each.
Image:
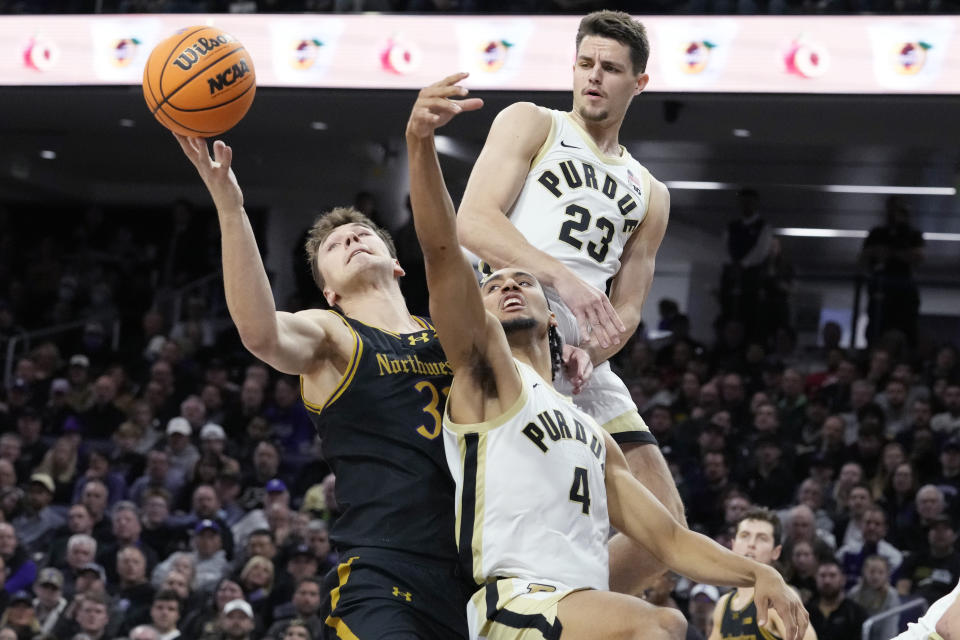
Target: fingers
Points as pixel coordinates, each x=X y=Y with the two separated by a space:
x=761 y=611
x=613 y=315
x=222 y=154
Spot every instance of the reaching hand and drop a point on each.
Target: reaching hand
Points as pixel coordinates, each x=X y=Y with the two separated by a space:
x=772 y=591
x=215 y=171
x=596 y=317
x=435 y=107
x=577 y=366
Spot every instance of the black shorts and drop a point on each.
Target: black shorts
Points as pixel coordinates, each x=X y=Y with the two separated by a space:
x=379 y=594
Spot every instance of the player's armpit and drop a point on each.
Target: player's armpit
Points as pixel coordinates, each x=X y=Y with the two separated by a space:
x=301 y=342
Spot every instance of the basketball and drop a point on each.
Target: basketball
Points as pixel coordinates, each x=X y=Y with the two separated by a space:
x=199 y=82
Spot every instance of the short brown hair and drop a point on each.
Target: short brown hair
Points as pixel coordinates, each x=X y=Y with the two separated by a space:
x=764 y=515
x=618 y=26
x=324 y=226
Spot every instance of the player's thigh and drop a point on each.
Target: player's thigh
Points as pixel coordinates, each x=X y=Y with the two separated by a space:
x=587 y=615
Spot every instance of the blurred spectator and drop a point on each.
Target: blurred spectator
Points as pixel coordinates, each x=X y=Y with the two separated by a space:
x=21 y=571
x=103 y=416
x=889 y=255
x=304 y=606
x=60 y=464
x=934 y=569
x=874 y=593
x=256 y=579
x=832 y=615
x=49 y=604
x=801 y=570
x=158 y=475
x=236 y=622
x=39 y=521
x=748 y=239
x=948 y=422
x=703 y=600
x=127 y=529
x=134 y=593
x=165 y=614
x=931 y=507
x=851 y=557
x=20 y=615
x=203 y=621
x=81 y=551
x=98 y=468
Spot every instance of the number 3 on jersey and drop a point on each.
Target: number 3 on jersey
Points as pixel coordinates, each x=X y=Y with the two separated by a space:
x=580 y=489
x=432 y=431
x=580 y=223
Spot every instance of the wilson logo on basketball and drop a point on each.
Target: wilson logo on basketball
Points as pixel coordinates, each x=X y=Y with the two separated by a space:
x=228 y=76
x=192 y=54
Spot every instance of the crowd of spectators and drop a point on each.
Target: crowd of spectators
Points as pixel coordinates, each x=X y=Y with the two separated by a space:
x=166 y=483
x=858 y=451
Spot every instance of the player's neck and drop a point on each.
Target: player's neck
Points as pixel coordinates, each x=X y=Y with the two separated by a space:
x=532 y=351
x=380 y=306
x=741 y=597
x=605 y=133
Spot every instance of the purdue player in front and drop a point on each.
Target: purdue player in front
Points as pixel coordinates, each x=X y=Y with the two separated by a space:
x=538 y=481
x=735 y=616
x=374 y=378
x=555 y=194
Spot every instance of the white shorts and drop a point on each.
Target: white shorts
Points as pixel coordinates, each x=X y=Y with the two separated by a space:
x=605 y=397
x=516 y=609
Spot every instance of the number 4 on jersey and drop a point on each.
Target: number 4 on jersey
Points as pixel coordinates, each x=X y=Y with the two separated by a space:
x=580 y=489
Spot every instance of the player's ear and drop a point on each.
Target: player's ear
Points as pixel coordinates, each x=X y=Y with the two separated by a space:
x=552 y=320
x=642 y=80
x=398 y=271
x=777 y=550
x=331 y=297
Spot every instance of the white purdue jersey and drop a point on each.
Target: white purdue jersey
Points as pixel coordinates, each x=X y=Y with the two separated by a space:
x=579 y=205
x=531 y=499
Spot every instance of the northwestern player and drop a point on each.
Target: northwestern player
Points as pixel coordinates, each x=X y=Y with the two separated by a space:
x=375 y=381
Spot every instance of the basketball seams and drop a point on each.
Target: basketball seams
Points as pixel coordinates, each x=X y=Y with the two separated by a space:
x=203 y=132
x=217 y=106
x=166 y=98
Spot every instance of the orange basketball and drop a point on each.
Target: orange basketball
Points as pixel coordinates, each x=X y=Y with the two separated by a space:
x=199 y=82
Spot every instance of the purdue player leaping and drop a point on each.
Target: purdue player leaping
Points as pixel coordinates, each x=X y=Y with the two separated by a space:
x=555 y=194
x=538 y=480
x=375 y=380
x=735 y=617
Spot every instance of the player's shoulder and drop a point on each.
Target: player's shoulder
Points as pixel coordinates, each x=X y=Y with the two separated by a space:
x=526 y=114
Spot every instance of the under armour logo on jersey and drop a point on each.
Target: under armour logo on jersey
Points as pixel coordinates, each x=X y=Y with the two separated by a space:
x=568 y=146
x=403 y=594
x=423 y=337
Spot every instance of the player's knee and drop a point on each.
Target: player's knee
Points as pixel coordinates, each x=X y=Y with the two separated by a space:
x=670 y=622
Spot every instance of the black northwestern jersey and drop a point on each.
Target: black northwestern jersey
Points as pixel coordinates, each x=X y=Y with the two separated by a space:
x=381 y=432
x=742 y=624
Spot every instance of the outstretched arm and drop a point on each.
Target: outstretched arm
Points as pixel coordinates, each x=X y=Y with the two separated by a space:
x=515 y=138
x=636 y=513
x=291 y=343
x=472 y=339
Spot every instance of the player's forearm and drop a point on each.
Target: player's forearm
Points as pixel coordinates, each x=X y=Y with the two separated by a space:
x=493 y=238
x=434 y=216
x=700 y=558
x=249 y=297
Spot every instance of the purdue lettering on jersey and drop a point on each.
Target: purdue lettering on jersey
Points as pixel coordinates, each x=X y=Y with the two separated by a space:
x=579 y=205
x=531 y=499
x=380 y=430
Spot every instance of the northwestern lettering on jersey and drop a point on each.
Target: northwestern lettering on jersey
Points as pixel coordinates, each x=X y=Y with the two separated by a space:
x=557 y=427
x=577 y=174
x=411 y=364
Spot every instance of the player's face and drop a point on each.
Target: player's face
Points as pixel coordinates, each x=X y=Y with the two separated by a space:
x=754 y=540
x=515 y=298
x=351 y=249
x=604 y=81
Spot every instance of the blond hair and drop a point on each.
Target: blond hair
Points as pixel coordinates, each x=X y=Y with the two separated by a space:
x=324 y=226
